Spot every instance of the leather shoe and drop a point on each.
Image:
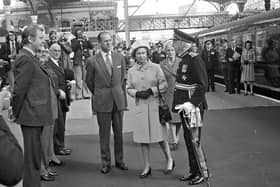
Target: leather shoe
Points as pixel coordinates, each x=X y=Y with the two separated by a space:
x=105 y=169
x=53 y=173
x=196 y=180
x=187 y=177
x=47 y=177
x=121 y=166
x=67 y=150
x=62 y=152
x=54 y=163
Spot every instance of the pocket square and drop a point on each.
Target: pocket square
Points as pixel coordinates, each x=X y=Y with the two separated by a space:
x=119 y=66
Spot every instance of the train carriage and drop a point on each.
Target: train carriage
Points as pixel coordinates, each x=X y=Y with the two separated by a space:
x=258 y=29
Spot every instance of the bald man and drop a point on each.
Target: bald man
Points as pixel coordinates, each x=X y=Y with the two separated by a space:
x=56 y=65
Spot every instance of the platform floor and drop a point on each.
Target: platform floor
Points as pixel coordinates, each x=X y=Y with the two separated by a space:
x=240 y=137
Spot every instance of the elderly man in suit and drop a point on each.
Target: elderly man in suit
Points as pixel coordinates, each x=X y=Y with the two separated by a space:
x=63 y=106
x=33 y=102
x=106 y=72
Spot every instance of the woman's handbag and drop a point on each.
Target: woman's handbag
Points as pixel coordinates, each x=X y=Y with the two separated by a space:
x=163 y=110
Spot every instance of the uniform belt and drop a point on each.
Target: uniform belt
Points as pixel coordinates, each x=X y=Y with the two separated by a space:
x=186 y=87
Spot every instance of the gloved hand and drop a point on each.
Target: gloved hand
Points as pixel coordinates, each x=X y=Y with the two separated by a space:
x=187 y=107
x=149 y=92
x=144 y=94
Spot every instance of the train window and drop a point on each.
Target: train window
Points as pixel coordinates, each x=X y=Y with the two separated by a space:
x=260 y=40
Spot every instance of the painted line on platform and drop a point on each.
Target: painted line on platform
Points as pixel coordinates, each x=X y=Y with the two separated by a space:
x=259 y=95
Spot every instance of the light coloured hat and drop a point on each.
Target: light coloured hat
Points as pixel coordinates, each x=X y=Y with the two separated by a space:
x=138 y=44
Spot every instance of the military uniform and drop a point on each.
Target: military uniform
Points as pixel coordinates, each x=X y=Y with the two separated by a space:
x=192 y=74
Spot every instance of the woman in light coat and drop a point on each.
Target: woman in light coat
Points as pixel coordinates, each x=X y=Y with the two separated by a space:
x=144 y=80
x=169 y=67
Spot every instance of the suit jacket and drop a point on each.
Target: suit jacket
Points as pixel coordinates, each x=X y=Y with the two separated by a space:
x=230 y=53
x=11 y=156
x=60 y=83
x=106 y=90
x=5 y=50
x=192 y=71
x=31 y=101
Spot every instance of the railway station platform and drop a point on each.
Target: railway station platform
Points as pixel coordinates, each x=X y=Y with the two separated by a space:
x=240 y=137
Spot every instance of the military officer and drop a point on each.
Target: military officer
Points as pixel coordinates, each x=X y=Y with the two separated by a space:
x=189 y=100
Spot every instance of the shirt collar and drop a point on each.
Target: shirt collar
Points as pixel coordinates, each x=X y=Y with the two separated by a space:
x=55 y=61
x=105 y=53
x=29 y=50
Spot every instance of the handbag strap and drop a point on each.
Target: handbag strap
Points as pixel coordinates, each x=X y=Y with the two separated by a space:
x=160 y=98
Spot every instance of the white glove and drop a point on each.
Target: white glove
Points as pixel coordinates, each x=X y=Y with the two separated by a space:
x=62 y=94
x=187 y=107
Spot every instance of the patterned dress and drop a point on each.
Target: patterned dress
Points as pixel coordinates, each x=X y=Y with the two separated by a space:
x=248 y=59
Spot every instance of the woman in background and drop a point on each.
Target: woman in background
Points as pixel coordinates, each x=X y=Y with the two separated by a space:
x=169 y=67
x=145 y=80
x=248 y=59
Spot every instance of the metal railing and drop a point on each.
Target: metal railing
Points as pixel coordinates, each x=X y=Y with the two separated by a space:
x=143 y=23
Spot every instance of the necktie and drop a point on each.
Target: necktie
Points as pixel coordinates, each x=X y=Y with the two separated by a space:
x=108 y=64
x=13 y=50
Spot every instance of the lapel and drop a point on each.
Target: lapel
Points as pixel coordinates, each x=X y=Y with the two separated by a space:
x=41 y=66
x=115 y=62
x=103 y=67
x=35 y=60
x=55 y=67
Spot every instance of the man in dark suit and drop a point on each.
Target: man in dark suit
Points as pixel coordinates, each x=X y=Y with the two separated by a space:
x=190 y=89
x=81 y=47
x=210 y=58
x=8 y=52
x=233 y=57
x=56 y=65
x=106 y=72
x=11 y=156
x=32 y=100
